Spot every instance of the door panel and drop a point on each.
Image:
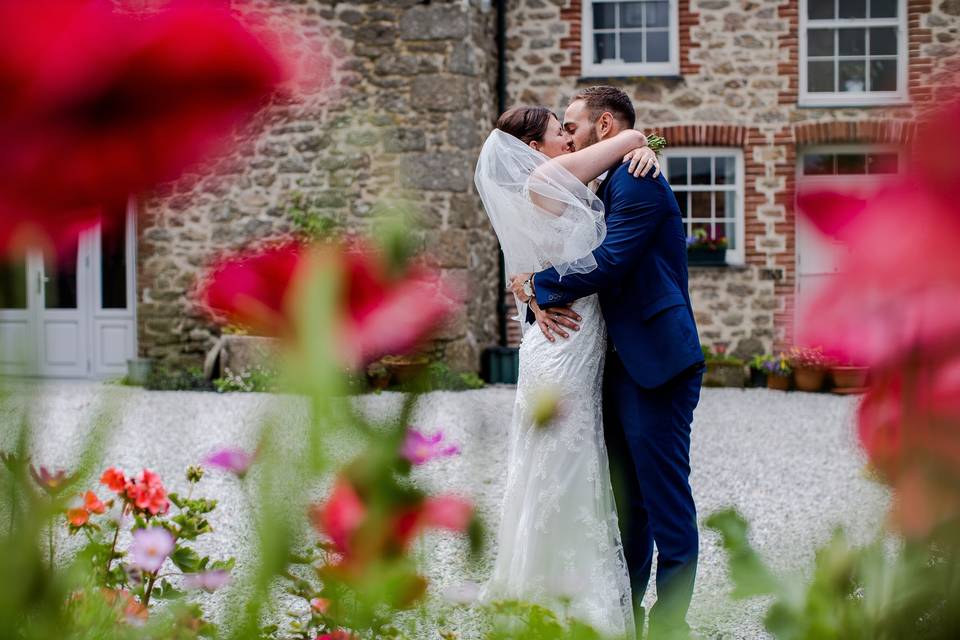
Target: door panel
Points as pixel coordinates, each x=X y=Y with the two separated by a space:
x=63 y=312
x=18 y=352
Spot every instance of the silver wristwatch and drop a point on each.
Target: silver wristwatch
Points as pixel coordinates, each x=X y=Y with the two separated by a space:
x=528 y=287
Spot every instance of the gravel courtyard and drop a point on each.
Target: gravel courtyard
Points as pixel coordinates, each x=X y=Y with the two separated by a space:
x=788 y=461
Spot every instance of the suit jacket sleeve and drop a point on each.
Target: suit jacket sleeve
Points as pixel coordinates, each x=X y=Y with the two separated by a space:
x=636 y=208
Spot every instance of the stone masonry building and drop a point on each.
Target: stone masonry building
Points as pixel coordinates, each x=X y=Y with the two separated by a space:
x=757 y=98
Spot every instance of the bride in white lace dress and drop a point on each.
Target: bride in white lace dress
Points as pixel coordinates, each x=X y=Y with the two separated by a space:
x=558 y=541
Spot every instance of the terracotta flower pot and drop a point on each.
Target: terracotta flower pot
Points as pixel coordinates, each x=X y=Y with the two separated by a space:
x=809 y=379
x=849 y=377
x=404 y=369
x=779 y=383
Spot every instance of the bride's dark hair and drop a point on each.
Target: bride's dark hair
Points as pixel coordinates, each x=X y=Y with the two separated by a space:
x=525 y=123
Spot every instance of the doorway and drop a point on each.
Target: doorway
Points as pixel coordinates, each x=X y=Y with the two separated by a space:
x=71 y=316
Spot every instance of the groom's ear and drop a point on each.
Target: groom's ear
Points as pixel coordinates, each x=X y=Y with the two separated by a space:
x=605 y=124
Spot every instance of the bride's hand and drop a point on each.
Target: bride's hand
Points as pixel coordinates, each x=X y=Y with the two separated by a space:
x=641 y=161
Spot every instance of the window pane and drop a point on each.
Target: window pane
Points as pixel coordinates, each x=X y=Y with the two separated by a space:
x=60 y=290
x=701 y=225
x=658 y=14
x=730 y=233
x=883 y=41
x=700 y=203
x=852 y=42
x=820 y=76
x=700 y=170
x=851 y=163
x=883 y=8
x=604 y=46
x=113 y=267
x=720 y=204
x=820 y=9
x=13 y=285
x=631 y=14
x=883 y=75
x=882 y=163
x=719 y=231
x=820 y=42
x=852 y=75
x=682 y=201
x=677 y=170
x=631 y=47
x=818 y=164
x=658 y=46
x=853 y=8
x=725 y=170
x=604 y=15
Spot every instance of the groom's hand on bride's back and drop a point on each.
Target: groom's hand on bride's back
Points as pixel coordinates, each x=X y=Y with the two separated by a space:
x=553 y=320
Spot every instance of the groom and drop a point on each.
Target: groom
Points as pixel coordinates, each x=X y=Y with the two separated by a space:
x=654 y=364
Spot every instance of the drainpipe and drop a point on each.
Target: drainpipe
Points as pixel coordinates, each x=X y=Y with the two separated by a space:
x=501 y=39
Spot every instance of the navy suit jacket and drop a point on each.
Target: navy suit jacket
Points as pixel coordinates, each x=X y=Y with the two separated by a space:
x=641 y=278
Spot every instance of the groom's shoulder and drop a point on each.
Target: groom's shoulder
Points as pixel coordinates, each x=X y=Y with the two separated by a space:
x=622 y=181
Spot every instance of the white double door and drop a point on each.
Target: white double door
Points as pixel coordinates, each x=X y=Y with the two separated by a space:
x=71 y=315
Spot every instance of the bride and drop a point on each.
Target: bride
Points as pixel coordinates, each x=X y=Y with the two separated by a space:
x=558 y=542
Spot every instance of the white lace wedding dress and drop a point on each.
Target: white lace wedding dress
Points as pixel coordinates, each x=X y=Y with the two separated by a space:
x=558 y=541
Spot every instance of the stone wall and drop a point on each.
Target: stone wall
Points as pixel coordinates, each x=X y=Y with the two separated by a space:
x=738 y=82
x=411 y=96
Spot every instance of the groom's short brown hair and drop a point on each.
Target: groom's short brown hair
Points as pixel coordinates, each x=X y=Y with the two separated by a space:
x=606 y=98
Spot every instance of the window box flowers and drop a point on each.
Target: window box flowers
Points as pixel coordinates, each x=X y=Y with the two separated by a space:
x=704 y=250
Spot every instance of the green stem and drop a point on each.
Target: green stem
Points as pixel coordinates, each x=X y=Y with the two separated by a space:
x=149 y=590
x=50 y=531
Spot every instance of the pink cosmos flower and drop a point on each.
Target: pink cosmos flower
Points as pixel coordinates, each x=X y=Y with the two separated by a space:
x=151 y=547
x=420 y=449
x=208 y=581
x=236 y=461
x=51 y=482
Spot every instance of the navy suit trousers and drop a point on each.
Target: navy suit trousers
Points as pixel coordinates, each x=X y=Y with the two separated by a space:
x=647 y=434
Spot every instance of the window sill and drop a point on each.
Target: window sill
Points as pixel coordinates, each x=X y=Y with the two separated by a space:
x=594 y=79
x=717 y=267
x=850 y=103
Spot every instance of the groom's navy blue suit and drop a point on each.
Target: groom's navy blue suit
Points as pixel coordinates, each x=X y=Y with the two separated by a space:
x=651 y=383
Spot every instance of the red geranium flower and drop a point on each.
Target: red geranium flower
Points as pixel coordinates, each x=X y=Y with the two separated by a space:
x=114 y=479
x=99 y=104
x=148 y=493
x=78 y=516
x=379 y=312
x=93 y=504
x=340 y=516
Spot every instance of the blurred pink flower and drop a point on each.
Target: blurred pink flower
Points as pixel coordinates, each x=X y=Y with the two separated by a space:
x=53 y=483
x=150 y=548
x=208 y=581
x=98 y=104
x=420 y=449
x=236 y=461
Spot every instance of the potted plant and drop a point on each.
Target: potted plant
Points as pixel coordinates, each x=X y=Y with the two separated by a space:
x=378 y=377
x=403 y=369
x=723 y=370
x=809 y=368
x=778 y=372
x=758 y=373
x=704 y=250
x=848 y=378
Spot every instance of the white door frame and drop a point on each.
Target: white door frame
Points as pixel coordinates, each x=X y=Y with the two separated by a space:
x=104 y=339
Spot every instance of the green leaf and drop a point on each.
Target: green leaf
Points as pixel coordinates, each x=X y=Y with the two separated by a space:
x=186 y=559
x=751 y=576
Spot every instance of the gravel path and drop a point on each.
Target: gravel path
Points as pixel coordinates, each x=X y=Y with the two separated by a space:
x=787 y=461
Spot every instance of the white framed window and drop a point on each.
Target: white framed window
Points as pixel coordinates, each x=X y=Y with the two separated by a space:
x=708 y=183
x=630 y=38
x=853 y=52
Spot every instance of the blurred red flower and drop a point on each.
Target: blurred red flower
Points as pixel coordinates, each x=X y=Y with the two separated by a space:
x=98 y=104
x=379 y=312
x=344 y=515
x=894 y=308
x=114 y=479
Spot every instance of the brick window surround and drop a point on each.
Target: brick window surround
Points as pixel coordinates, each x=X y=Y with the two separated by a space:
x=572 y=14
